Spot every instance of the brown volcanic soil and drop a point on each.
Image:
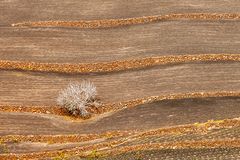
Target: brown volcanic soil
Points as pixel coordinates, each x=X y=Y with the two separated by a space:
x=97 y=9
x=175 y=112
x=29 y=88
x=165 y=38
x=180 y=154
x=36 y=147
x=149 y=116
x=104 y=45
x=115 y=66
x=26 y=147
x=110 y=23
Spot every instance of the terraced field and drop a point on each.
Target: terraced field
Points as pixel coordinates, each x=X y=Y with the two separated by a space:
x=167 y=75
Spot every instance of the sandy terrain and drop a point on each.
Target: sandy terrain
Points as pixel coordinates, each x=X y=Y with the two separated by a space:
x=144 y=117
x=184 y=127
x=29 y=88
x=104 y=45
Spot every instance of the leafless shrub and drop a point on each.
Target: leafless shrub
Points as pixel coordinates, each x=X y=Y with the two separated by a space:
x=77 y=97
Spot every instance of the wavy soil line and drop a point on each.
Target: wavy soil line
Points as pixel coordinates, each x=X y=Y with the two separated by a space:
x=177 y=96
x=82 y=151
x=199 y=128
x=51 y=139
x=56 y=110
x=181 y=129
x=226 y=143
x=115 y=65
x=106 y=149
x=106 y=23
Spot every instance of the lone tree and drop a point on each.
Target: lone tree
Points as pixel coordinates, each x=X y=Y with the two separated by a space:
x=77 y=97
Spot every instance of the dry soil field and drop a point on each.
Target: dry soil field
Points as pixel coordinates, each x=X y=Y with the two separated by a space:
x=167 y=74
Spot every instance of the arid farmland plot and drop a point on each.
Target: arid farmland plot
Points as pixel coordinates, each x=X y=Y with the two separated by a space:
x=119 y=80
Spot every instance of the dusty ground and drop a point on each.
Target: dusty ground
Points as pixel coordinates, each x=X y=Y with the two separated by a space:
x=144 y=117
x=29 y=88
x=181 y=154
x=179 y=128
x=98 y=9
x=211 y=135
x=100 y=45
